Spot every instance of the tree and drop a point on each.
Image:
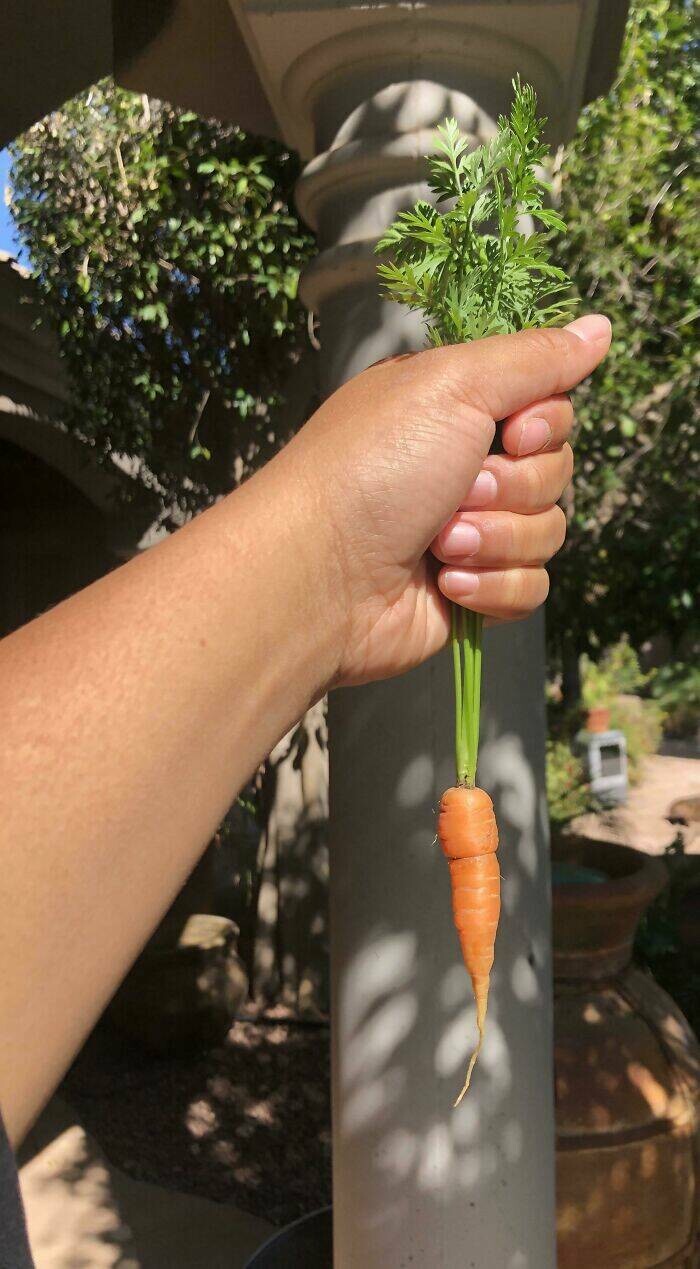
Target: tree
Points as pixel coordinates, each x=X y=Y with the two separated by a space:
x=629 y=194
x=167 y=256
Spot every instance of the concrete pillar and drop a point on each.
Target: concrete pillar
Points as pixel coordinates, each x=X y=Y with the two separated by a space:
x=416 y=1183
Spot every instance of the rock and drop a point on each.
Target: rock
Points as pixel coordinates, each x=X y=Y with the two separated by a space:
x=182 y=997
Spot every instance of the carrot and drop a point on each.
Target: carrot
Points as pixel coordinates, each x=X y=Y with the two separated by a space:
x=469 y=839
x=461 y=264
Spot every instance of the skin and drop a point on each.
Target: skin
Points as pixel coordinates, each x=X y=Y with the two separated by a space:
x=131 y=714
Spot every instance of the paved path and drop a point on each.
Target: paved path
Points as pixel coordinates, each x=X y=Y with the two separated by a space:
x=84 y=1214
x=642 y=822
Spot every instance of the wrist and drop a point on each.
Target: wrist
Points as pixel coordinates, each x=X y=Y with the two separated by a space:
x=288 y=544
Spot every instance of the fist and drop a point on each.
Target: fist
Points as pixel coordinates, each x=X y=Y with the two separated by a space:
x=411 y=510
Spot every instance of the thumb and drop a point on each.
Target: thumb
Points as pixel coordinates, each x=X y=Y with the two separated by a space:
x=504 y=373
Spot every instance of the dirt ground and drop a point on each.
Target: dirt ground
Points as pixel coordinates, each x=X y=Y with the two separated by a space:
x=642 y=822
x=248 y=1123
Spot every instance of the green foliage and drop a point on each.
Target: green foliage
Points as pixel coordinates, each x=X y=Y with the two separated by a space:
x=620 y=663
x=568 y=792
x=617 y=672
x=166 y=255
x=629 y=194
x=676 y=687
x=642 y=722
x=469 y=280
x=596 y=690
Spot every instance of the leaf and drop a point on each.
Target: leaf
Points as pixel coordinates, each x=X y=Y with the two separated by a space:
x=470 y=269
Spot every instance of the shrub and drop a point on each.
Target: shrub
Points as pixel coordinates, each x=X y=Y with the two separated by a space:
x=620 y=666
x=618 y=672
x=642 y=725
x=568 y=792
x=676 y=687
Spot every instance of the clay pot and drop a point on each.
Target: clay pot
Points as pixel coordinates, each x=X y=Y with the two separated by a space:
x=627 y=1075
x=598 y=719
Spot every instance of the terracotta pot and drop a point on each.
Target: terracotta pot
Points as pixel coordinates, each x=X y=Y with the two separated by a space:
x=598 y=719
x=627 y=1076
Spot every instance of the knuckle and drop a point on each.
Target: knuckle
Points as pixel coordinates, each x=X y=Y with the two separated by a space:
x=534 y=484
x=512 y=537
x=517 y=590
x=527 y=589
x=559 y=528
x=567 y=414
x=551 y=342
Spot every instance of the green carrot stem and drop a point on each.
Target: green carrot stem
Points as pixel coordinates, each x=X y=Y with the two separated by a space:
x=466 y=628
x=477 y=633
x=460 y=751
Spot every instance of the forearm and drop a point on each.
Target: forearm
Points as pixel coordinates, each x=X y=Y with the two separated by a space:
x=131 y=715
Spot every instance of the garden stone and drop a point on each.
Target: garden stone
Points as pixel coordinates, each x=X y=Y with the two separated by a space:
x=182 y=997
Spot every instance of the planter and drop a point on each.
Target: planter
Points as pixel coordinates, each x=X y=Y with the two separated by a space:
x=627 y=1075
x=598 y=719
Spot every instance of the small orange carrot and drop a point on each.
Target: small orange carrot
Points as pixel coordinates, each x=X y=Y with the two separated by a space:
x=469 y=839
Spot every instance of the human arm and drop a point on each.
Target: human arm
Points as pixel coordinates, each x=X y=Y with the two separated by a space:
x=132 y=713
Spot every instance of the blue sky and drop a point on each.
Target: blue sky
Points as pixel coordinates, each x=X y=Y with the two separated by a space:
x=7 y=230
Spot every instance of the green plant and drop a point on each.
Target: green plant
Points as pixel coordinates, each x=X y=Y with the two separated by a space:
x=470 y=280
x=568 y=792
x=642 y=724
x=166 y=256
x=616 y=672
x=629 y=195
x=676 y=687
x=620 y=664
x=596 y=688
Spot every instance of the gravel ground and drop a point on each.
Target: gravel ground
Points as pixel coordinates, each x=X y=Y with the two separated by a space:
x=248 y=1123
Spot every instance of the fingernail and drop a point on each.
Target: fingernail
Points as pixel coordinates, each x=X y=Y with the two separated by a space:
x=458 y=584
x=483 y=490
x=590 y=328
x=461 y=539
x=534 y=434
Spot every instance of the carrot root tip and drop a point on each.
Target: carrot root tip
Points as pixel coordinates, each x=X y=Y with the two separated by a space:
x=472 y=1063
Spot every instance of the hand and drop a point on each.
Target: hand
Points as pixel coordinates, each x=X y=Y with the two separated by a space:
x=398 y=465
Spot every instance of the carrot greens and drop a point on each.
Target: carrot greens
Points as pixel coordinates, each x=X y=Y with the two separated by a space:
x=474 y=264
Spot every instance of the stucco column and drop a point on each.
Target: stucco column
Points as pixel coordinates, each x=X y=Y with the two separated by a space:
x=418 y=1185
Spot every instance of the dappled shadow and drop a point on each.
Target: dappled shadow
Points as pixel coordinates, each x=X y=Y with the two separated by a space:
x=84 y=1213
x=247 y=1123
x=74 y=1216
